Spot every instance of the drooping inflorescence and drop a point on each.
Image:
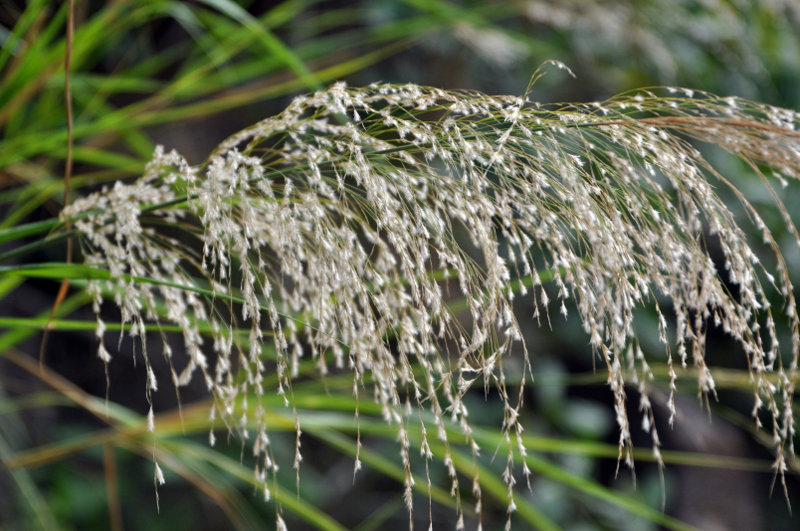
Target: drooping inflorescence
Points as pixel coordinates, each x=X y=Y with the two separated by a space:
x=341 y=230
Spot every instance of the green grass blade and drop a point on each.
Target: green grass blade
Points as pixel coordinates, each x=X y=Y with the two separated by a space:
x=271 y=43
x=312 y=515
x=37 y=508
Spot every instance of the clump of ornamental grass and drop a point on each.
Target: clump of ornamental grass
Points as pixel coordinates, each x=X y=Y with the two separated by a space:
x=339 y=230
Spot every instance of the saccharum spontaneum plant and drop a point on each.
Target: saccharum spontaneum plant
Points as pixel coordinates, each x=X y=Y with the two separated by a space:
x=339 y=230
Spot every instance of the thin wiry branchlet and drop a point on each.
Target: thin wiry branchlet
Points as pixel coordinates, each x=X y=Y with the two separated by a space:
x=339 y=230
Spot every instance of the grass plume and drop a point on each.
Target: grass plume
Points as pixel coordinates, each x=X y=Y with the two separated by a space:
x=336 y=231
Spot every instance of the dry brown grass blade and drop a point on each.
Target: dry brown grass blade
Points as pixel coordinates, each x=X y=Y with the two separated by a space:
x=112 y=488
x=62 y=291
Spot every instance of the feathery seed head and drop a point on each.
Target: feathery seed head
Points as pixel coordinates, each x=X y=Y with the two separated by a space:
x=337 y=228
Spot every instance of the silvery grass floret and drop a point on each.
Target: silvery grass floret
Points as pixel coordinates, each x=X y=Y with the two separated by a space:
x=339 y=230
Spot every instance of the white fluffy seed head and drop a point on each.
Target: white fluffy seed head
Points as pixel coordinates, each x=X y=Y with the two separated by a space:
x=325 y=233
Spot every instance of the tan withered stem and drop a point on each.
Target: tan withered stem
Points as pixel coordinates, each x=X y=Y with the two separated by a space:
x=62 y=290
